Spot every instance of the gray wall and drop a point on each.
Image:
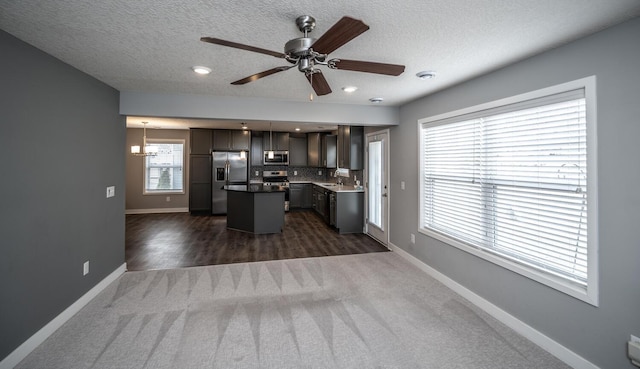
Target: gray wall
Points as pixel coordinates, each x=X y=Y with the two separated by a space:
x=135 y=172
x=61 y=144
x=598 y=334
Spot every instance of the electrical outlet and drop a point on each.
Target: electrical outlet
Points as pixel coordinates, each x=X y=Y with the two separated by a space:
x=168 y=198
x=111 y=191
x=257 y=173
x=295 y=172
x=319 y=172
x=413 y=238
x=85 y=268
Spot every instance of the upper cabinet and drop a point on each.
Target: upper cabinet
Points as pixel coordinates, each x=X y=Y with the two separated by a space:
x=321 y=150
x=276 y=141
x=298 y=150
x=256 y=149
x=329 y=151
x=231 y=140
x=200 y=141
x=350 y=147
x=314 y=149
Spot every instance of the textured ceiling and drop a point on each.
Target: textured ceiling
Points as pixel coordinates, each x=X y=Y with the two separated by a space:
x=150 y=45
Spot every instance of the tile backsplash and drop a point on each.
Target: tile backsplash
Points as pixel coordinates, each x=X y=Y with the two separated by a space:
x=306 y=174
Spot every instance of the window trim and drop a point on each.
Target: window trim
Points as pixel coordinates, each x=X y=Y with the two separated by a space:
x=144 y=167
x=590 y=294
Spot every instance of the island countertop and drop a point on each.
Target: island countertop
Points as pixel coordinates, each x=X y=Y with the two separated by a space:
x=254 y=188
x=255 y=208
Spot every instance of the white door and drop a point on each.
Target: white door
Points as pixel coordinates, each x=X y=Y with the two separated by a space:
x=377 y=185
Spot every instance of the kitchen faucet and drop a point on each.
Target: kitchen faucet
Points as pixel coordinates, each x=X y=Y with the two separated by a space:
x=339 y=178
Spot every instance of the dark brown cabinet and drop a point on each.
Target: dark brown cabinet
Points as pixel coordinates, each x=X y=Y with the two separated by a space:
x=235 y=140
x=300 y=195
x=256 y=149
x=350 y=147
x=200 y=141
x=347 y=211
x=298 y=150
x=314 y=149
x=329 y=151
x=280 y=141
x=200 y=183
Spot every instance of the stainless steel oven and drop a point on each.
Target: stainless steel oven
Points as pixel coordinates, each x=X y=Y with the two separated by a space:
x=278 y=158
x=277 y=178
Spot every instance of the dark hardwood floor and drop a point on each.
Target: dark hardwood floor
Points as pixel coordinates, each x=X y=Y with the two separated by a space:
x=175 y=240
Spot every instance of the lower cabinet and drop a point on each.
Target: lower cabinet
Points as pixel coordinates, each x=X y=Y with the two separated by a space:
x=343 y=210
x=300 y=196
x=200 y=184
x=347 y=211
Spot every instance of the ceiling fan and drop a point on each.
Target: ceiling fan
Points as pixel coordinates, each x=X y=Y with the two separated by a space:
x=308 y=53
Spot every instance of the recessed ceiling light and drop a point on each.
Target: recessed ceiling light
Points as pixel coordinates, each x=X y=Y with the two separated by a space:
x=376 y=100
x=244 y=126
x=297 y=129
x=426 y=74
x=201 y=70
x=349 y=89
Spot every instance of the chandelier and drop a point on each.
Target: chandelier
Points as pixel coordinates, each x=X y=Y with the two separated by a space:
x=147 y=150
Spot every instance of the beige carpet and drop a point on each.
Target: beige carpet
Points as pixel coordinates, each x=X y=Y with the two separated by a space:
x=356 y=311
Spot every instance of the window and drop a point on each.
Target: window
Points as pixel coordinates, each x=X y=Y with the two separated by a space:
x=164 y=173
x=513 y=182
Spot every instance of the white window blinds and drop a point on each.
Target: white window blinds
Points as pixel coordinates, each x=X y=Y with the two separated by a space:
x=512 y=181
x=164 y=172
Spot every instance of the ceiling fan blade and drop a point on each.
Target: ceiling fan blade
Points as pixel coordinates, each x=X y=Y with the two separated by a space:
x=257 y=76
x=236 y=45
x=345 y=30
x=319 y=83
x=368 y=67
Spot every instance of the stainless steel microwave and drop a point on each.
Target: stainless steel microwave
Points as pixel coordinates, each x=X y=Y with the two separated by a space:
x=279 y=158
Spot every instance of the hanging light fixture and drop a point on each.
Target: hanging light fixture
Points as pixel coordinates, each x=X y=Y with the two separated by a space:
x=270 y=154
x=150 y=150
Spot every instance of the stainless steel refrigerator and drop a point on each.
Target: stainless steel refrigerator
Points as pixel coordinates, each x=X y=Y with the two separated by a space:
x=228 y=169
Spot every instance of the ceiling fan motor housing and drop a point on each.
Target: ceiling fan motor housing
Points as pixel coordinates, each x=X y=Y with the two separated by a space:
x=298 y=47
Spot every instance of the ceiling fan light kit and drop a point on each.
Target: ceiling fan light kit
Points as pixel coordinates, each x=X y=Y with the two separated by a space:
x=308 y=53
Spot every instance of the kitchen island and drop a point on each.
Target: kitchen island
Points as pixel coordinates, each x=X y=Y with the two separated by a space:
x=255 y=208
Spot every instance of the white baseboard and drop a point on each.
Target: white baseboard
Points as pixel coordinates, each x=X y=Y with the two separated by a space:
x=156 y=211
x=556 y=349
x=34 y=341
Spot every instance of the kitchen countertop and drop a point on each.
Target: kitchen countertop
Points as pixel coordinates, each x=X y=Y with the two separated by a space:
x=326 y=185
x=338 y=188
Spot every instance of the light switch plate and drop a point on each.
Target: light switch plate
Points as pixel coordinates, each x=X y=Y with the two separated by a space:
x=111 y=191
x=402 y=185
x=633 y=351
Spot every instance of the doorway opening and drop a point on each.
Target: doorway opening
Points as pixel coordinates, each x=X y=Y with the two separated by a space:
x=377 y=185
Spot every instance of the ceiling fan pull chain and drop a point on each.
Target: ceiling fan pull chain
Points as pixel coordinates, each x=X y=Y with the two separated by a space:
x=311 y=93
